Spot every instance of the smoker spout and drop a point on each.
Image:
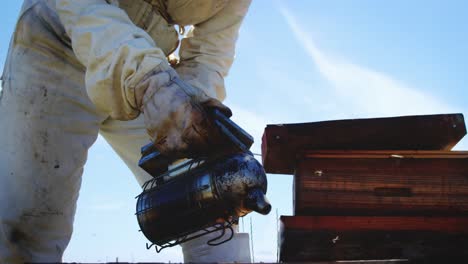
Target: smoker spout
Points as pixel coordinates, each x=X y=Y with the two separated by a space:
x=257 y=201
x=241 y=181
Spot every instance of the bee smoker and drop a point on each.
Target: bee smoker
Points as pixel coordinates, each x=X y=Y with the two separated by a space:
x=206 y=195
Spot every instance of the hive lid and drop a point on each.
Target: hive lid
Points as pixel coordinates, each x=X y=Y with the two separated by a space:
x=282 y=142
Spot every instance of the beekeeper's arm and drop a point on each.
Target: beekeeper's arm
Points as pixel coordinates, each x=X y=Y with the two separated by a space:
x=126 y=73
x=208 y=51
x=116 y=53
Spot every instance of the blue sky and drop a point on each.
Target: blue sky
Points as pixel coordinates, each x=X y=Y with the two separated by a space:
x=297 y=61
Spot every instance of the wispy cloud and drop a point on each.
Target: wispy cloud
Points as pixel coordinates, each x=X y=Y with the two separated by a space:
x=364 y=91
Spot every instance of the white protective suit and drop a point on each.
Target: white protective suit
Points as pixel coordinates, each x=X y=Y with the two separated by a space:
x=70 y=74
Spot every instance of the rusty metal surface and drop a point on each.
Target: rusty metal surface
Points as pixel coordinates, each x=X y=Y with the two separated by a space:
x=281 y=143
x=427 y=240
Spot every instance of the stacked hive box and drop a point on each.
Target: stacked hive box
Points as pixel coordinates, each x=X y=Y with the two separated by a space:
x=385 y=188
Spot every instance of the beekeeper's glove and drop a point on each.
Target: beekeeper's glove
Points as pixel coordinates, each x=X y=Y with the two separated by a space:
x=176 y=115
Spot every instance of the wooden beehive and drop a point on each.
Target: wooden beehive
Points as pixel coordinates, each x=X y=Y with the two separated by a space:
x=381 y=183
x=330 y=238
x=281 y=143
x=373 y=188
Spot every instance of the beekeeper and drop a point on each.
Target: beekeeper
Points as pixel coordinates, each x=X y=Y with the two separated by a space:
x=79 y=68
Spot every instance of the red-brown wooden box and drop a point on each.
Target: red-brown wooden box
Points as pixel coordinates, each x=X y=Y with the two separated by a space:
x=325 y=238
x=281 y=143
x=381 y=183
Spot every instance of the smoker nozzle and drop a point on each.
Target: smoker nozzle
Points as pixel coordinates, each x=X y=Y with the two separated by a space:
x=257 y=201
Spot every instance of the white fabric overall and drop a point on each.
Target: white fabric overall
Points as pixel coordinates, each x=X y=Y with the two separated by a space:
x=57 y=97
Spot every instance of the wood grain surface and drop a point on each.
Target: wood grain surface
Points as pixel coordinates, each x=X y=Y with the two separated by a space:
x=329 y=238
x=381 y=183
x=282 y=142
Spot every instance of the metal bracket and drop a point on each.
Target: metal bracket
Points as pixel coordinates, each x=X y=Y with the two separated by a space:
x=212 y=242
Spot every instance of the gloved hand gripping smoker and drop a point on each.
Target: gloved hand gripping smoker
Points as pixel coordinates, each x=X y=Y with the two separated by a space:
x=207 y=194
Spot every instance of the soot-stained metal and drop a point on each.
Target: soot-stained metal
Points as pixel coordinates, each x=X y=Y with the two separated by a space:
x=201 y=196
